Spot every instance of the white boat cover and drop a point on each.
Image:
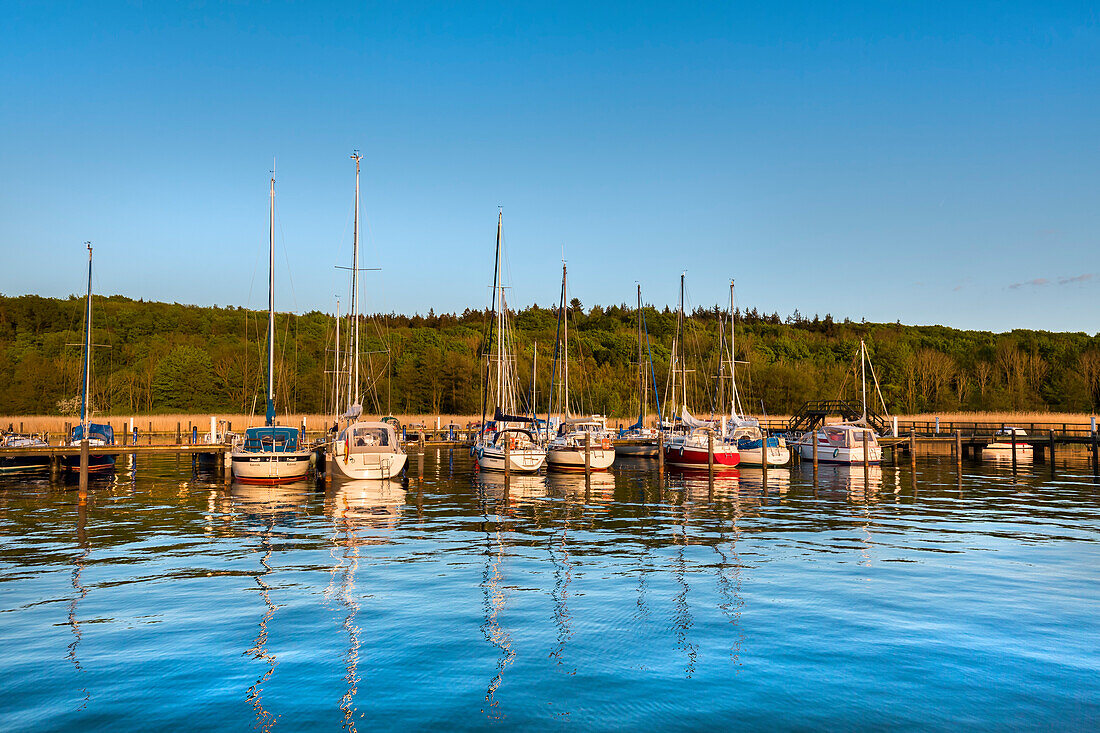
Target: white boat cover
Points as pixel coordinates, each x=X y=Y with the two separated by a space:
x=692 y=422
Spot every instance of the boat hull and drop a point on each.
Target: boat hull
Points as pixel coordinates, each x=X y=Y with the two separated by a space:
x=96 y=463
x=753 y=456
x=638 y=448
x=840 y=455
x=572 y=459
x=690 y=457
x=520 y=460
x=270 y=468
x=373 y=466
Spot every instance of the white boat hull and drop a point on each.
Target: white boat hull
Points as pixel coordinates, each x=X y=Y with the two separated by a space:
x=841 y=454
x=777 y=456
x=270 y=468
x=520 y=460
x=366 y=465
x=572 y=459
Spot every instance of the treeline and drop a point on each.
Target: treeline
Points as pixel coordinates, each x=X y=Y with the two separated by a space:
x=160 y=357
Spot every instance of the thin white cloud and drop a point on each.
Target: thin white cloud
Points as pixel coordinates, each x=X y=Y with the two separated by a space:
x=1065 y=280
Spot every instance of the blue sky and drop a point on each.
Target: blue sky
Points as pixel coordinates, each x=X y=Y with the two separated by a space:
x=922 y=162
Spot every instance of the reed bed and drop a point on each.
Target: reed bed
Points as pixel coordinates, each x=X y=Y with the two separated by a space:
x=168 y=423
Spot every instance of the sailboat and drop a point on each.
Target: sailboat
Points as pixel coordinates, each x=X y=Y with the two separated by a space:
x=362 y=450
x=270 y=454
x=743 y=431
x=693 y=441
x=97 y=434
x=845 y=442
x=638 y=440
x=566 y=451
x=509 y=436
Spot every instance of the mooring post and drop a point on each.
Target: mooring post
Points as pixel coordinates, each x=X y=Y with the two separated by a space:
x=660 y=453
x=1014 y=450
x=125 y=437
x=54 y=461
x=710 y=454
x=178 y=439
x=507 y=457
x=958 y=448
x=913 y=449
x=84 y=464
x=1050 y=438
x=764 y=459
x=150 y=436
x=813 y=439
x=587 y=455
x=1095 y=452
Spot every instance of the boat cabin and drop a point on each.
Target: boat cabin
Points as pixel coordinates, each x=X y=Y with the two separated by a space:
x=377 y=437
x=273 y=439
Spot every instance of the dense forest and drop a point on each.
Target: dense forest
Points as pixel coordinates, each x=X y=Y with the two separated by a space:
x=160 y=357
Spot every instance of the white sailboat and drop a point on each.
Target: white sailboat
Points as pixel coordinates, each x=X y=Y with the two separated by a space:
x=846 y=442
x=744 y=431
x=509 y=439
x=566 y=451
x=363 y=449
x=270 y=454
x=638 y=440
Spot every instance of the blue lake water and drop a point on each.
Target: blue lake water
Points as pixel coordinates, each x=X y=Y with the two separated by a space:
x=165 y=600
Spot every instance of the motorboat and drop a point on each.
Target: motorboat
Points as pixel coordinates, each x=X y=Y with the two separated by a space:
x=842 y=443
x=1002 y=441
x=22 y=464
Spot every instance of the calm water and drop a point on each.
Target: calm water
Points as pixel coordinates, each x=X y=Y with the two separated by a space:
x=164 y=599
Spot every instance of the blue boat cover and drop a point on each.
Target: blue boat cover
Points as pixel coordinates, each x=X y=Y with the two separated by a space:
x=272 y=439
x=95 y=430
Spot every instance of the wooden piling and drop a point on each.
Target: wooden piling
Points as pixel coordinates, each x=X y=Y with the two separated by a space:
x=1095 y=455
x=1014 y=451
x=587 y=455
x=84 y=464
x=764 y=459
x=710 y=454
x=661 y=453
x=1050 y=438
x=507 y=456
x=150 y=432
x=913 y=449
x=813 y=439
x=958 y=448
x=178 y=438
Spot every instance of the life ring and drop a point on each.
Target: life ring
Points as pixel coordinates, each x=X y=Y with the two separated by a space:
x=605 y=443
x=511 y=442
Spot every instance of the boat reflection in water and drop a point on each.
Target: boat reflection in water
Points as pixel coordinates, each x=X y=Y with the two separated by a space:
x=268 y=505
x=363 y=512
x=597 y=489
x=519 y=488
x=779 y=479
x=855 y=482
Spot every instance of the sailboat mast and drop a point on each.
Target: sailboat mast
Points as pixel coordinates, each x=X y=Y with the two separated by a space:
x=565 y=344
x=85 y=396
x=733 y=358
x=683 y=365
x=492 y=324
x=355 y=284
x=863 y=374
x=271 y=308
x=336 y=371
x=641 y=368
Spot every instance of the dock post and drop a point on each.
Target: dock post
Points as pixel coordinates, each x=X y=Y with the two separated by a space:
x=178 y=438
x=1096 y=452
x=587 y=455
x=764 y=458
x=507 y=457
x=1014 y=451
x=84 y=464
x=420 y=441
x=125 y=437
x=1050 y=437
x=150 y=432
x=710 y=455
x=813 y=439
x=661 y=453
x=54 y=461
x=913 y=449
x=958 y=449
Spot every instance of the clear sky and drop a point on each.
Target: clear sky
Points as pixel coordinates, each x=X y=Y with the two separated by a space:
x=923 y=162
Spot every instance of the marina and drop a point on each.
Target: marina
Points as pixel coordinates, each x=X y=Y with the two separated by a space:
x=452 y=598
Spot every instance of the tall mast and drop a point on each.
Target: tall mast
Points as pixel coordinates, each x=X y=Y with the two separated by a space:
x=863 y=375
x=336 y=371
x=683 y=365
x=565 y=344
x=733 y=358
x=492 y=324
x=85 y=396
x=271 y=307
x=641 y=368
x=355 y=284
